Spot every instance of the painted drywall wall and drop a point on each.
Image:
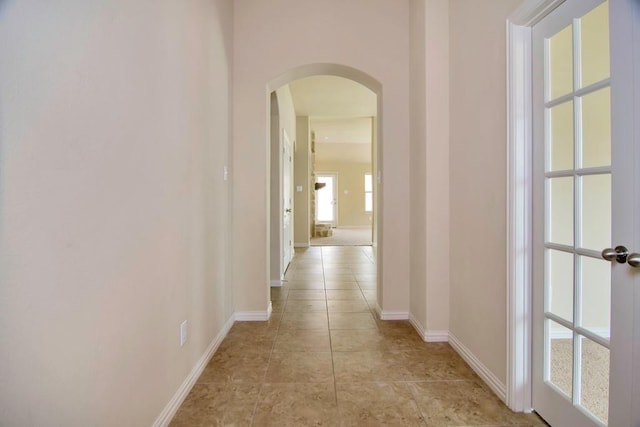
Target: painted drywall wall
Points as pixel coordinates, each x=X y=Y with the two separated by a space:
x=274 y=37
x=302 y=179
x=113 y=209
x=478 y=178
x=350 y=191
x=437 y=125
x=430 y=165
x=418 y=307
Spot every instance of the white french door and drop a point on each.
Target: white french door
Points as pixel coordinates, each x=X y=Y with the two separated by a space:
x=583 y=310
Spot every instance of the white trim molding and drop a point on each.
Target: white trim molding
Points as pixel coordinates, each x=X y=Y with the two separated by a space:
x=392 y=315
x=531 y=12
x=277 y=283
x=417 y=325
x=483 y=372
x=436 y=336
x=178 y=398
x=427 y=335
x=254 y=316
x=519 y=196
x=301 y=245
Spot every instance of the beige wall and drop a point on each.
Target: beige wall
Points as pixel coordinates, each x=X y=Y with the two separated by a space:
x=430 y=164
x=113 y=208
x=478 y=178
x=274 y=37
x=350 y=191
x=302 y=178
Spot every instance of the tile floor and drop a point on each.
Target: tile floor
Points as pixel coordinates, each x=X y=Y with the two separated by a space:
x=324 y=358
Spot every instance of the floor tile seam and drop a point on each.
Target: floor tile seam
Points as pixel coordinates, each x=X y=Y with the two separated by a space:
x=423 y=418
x=333 y=367
x=255 y=405
x=423 y=414
x=273 y=345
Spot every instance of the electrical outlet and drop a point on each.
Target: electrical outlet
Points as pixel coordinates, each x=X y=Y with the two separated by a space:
x=183 y=333
x=225 y=173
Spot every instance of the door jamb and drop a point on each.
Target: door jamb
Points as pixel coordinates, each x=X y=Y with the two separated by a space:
x=519 y=199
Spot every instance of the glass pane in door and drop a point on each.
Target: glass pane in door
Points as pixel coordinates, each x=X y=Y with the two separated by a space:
x=560 y=359
x=560 y=64
x=596 y=128
x=594 y=45
x=560 y=206
x=559 y=290
x=596 y=295
x=594 y=376
x=596 y=211
x=560 y=122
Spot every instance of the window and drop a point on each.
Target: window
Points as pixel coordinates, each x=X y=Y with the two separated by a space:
x=368 y=193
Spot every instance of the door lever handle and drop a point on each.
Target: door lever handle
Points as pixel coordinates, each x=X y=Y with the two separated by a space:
x=619 y=254
x=287 y=210
x=634 y=260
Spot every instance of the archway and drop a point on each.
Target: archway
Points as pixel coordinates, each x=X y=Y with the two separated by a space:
x=364 y=79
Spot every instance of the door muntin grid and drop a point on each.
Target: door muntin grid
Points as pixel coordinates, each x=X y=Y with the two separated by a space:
x=577 y=195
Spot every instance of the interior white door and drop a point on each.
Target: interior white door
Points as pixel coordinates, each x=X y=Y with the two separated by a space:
x=327 y=199
x=581 y=350
x=287 y=203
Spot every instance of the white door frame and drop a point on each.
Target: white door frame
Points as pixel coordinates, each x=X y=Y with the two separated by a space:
x=519 y=189
x=519 y=196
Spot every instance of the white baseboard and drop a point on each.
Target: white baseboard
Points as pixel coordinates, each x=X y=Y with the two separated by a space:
x=178 y=398
x=254 y=316
x=487 y=376
x=394 y=315
x=277 y=283
x=301 y=245
x=417 y=325
x=426 y=335
x=436 y=336
x=391 y=315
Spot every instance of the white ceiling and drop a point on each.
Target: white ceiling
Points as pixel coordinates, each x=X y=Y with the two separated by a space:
x=343 y=152
x=342 y=130
x=340 y=112
x=331 y=97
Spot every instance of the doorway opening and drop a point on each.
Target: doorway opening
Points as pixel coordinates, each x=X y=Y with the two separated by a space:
x=330 y=116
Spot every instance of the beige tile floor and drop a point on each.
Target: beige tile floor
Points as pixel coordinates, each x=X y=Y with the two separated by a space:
x=324 y=358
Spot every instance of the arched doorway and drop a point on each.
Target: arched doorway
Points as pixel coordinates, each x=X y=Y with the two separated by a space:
x=276 y=214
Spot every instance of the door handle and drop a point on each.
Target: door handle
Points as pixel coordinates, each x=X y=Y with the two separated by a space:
x=634 y=260
x=619 y=254
x=287 y=210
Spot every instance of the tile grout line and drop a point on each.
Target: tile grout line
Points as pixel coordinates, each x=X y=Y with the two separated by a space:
x=273 y=346
x=333 y=366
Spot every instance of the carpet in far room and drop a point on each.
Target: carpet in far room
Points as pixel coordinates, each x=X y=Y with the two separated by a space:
x=345 y=236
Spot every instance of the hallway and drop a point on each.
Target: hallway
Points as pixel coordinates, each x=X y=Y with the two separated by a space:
x=325 y=359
